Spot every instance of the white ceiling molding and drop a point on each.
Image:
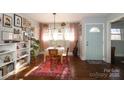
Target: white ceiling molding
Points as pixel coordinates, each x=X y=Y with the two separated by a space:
x=63 y=17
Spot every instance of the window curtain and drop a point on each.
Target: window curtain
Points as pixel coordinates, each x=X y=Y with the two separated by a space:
x=43 y=30
x=74 y=27
x=69 y=32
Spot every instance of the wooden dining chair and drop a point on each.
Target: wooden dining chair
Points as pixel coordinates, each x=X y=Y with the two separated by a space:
x=53 y=52
x=54 y=57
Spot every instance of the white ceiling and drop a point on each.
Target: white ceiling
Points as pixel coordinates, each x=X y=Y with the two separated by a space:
x=63 y=17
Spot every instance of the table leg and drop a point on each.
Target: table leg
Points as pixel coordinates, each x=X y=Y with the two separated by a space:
x=61 y=59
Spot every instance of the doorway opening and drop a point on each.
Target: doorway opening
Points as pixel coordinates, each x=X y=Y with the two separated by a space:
x=117 y=41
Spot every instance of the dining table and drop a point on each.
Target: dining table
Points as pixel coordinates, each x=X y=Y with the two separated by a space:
x=61 y=51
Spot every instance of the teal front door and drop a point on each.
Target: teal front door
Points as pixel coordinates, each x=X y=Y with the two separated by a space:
x=94 y=41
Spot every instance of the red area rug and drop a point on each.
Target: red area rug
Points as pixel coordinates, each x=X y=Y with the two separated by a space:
x=60 y=71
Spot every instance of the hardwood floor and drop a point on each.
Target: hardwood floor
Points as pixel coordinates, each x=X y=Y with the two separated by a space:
x=80 y=70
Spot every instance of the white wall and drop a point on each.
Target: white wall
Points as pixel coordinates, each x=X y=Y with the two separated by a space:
x=34 y=24
x=82 y=41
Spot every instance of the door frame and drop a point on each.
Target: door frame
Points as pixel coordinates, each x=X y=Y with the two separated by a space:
x=86 y=40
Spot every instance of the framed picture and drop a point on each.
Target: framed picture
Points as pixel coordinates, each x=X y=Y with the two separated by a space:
x=26 y=23
x=7 y=21
x=17 y=21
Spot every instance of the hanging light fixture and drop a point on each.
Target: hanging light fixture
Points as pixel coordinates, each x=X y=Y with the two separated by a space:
x=54 y=28
x=54 y=14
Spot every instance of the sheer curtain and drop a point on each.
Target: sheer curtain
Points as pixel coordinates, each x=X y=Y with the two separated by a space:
x=61 y=36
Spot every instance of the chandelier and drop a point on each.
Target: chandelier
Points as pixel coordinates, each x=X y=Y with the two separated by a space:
x=54 y=14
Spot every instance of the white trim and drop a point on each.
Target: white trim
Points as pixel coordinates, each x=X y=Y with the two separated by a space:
x=108 y=45
x=103 y=24
x=103 y=41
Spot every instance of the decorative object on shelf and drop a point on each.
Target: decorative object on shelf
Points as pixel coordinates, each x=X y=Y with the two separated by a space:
x=16 y=31
x=17 y=36
x=1 y=61
x=24 y=28
x=10 y=67
x=17 y=20
x=25 y=36
x=24 y=45
x=7 y=59
x=4 y=68
x=23 y=53
x=35 y=45
x=17 y=47
x=22 y=61
x=7 y=21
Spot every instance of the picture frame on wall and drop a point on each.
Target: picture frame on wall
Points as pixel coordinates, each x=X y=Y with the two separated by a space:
x=17 y=20
x=26 y=23
x=7 y=21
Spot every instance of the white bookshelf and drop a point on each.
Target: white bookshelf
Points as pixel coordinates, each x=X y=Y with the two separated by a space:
x=1 y=64
x=7 y=49
x=6 y=52
x=20 y=57
x=24 y=58
x=26 y=55
x=7 y=75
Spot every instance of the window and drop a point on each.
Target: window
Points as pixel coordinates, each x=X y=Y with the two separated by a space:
x=94 y=29
x=115 y=34
x=58 y=35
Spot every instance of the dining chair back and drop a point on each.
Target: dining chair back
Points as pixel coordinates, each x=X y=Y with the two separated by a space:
x=54 y=57
x=53 y=52
x=67 y=51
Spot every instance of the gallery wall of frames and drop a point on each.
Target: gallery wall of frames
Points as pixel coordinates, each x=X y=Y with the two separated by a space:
x=16 y=33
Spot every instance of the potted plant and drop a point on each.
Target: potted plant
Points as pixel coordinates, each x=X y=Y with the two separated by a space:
x=35 y=48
